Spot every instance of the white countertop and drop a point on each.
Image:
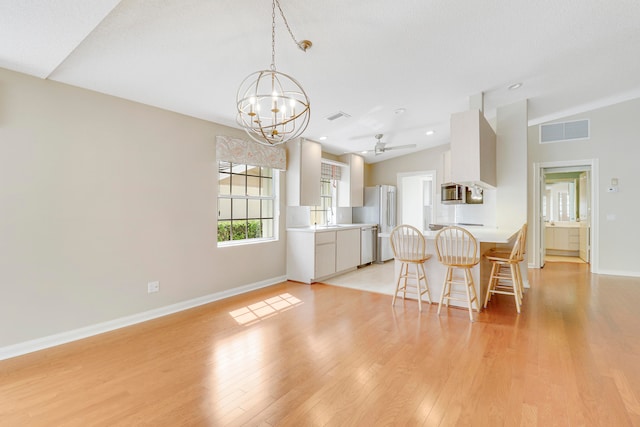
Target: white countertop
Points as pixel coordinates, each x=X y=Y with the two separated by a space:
x=482 y=234
x=332 y=227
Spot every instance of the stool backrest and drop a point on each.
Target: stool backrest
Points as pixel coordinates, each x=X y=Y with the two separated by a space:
x=520 y=245
x=408 y=243
x=455 y=246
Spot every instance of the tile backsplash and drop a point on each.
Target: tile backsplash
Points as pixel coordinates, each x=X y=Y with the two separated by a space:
x=484 y=213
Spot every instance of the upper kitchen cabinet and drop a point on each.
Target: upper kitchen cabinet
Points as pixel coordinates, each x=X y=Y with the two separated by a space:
x=303 y=172
x=473 y=149
x=351 y=185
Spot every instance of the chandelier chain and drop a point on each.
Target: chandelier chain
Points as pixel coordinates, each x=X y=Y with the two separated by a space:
x=273 y=32
x=273 y=35
x=287 y=24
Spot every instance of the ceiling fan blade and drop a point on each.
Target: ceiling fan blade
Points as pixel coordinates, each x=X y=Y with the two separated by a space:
x=399 y=147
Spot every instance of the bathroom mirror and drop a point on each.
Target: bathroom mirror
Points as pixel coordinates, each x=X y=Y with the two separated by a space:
x=565 y=198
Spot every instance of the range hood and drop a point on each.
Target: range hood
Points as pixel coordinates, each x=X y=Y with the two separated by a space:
x=473 y=150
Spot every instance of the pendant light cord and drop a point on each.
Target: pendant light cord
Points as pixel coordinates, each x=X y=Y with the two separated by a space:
x=302 y=45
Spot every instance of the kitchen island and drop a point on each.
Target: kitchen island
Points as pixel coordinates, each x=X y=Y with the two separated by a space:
x=487 y=237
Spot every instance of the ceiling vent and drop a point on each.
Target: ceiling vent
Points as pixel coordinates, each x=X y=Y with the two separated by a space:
x=565 y=131
x=337 y=115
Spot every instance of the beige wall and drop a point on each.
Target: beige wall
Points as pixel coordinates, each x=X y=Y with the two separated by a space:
x=387 y=172
x=615 y=143
x=511 y=161
x=99 y=196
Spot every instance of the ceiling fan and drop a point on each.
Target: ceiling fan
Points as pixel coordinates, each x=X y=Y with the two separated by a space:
x=381 y=147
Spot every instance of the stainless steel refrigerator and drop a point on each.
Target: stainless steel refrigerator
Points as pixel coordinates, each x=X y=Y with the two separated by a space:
x=379 y=208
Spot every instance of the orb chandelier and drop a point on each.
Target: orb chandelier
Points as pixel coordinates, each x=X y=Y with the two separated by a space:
x=273 y=108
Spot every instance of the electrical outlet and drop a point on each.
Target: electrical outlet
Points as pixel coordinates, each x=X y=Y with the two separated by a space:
x=153 y=287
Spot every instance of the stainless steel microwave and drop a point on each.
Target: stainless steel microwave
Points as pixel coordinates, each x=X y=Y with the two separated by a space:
x=451 y=193
x=455 y=194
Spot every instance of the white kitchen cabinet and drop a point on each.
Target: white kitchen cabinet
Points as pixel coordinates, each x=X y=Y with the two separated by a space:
x=303 y=172
x=351 y=185
x=325 y=254
x=310 y=255
x=347 y=249
x=313 y=254
x=473 y=149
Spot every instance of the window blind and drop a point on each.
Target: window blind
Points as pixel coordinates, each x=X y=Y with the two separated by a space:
x=329 y=171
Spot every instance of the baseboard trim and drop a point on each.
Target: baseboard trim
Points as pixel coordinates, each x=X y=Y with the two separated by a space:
x=22 y=348
x=619 y=273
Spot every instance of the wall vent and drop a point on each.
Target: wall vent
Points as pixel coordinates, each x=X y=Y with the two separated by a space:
x=338 y=115
x=565 y=131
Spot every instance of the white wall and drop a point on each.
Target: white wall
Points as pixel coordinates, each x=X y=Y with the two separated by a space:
x=99 y=196
x=615 y=143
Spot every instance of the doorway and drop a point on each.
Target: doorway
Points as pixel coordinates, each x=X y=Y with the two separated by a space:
x=565 y=213
x=416 y=194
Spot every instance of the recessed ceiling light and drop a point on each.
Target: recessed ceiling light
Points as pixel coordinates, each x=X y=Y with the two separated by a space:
x=430 y=132
x=323 y=138
x=400 y=110
x=515 y=86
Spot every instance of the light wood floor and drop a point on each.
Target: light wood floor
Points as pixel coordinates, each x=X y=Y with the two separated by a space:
x=558 y=258
x=299 y=355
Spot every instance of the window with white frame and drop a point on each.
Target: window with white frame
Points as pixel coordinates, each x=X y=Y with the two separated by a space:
x=325 y=212
x=247 y=200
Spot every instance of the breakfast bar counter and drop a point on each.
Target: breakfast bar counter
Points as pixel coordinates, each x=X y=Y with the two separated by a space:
x=487 y=237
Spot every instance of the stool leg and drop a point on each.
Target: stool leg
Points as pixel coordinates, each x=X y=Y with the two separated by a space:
x=395 y=294
x=445 y=287
x=426 y=283
x=418 y=288
x=520 y=283
x=473 y=290
x=468 y=283
x=406 y=277
x=492 y=279
x=514 y=282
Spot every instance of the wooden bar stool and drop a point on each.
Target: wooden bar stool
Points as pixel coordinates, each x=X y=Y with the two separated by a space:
x=410 y=248
x=506 y=277
x=458 y=250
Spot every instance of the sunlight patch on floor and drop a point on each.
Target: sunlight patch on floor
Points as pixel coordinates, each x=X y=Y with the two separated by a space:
x=263 y=309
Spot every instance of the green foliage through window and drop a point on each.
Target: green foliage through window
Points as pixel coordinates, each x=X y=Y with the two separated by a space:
x=242 y=230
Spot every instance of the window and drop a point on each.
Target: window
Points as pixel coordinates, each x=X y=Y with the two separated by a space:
x=246 y=202
x=323 y=214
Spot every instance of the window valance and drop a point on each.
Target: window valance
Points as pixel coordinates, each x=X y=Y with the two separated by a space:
x=237 y=150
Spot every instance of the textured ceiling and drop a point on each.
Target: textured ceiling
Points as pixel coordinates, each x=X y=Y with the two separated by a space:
x=368 y=59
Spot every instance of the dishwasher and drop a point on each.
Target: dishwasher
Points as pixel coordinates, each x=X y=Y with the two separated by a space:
x=368 y=239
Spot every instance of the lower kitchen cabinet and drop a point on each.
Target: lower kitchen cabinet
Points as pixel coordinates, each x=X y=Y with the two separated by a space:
x=324 y=254
x=347 y=249
x=314 y=255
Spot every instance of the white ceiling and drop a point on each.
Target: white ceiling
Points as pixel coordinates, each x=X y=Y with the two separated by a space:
x=369 y=58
